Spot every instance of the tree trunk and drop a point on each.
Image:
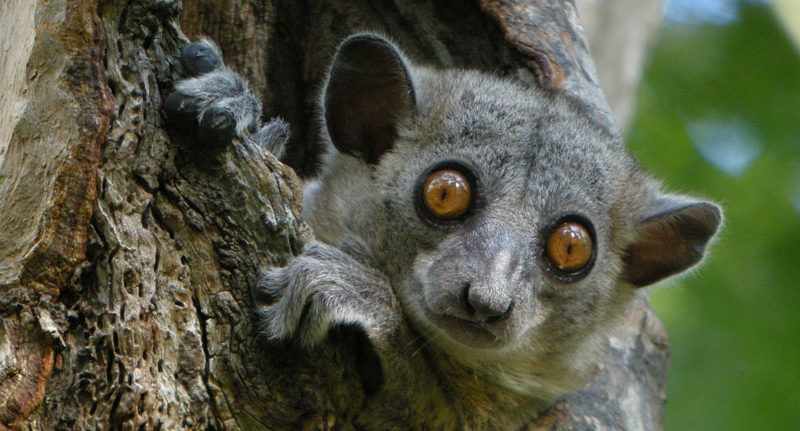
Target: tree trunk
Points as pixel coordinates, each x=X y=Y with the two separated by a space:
x=619 y=33
x=126 y=256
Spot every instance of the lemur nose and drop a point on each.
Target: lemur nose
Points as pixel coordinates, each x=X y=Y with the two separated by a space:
x=485 y=306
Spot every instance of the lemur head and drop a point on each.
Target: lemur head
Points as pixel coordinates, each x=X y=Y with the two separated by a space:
x=509 y=224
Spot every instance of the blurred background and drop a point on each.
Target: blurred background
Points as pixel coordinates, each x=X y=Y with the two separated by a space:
x=717 y=114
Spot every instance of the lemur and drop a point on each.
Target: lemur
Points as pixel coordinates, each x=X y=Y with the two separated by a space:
x=483 y=234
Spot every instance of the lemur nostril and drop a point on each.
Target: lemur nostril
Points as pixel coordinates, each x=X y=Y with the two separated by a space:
x=465 y=296
x=494 y=319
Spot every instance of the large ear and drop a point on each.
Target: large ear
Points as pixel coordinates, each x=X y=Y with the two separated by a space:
x=670 y=240
x=369 y=90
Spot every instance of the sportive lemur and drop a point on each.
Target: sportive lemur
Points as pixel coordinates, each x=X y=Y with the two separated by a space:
x=484 y=235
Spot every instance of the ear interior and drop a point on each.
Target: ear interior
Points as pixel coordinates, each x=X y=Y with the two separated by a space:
x=369 y=91
x=671 y=239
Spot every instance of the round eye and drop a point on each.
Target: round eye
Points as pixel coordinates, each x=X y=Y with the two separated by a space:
x=446 y=194
x=569 y=247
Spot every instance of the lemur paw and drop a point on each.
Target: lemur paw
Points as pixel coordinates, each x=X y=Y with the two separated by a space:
x=290 y=306
x=216 y=102
x=317 y=290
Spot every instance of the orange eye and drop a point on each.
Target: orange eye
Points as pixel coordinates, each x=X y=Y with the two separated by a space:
x=569 y=247
x=446 y=194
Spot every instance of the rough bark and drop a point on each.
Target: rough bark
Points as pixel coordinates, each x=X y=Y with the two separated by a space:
x=126 y=254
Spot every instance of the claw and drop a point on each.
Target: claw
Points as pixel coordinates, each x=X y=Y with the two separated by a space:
x=218 y=126
x=179 y=110
x=221 y=121
x=273 y=137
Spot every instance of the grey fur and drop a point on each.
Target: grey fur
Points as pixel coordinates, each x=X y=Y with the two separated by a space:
x=380 y=266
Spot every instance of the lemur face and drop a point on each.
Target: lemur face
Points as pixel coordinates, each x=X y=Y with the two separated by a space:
x=506 y=220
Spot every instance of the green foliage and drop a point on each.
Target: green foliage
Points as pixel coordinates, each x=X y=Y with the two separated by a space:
x=735 y=325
